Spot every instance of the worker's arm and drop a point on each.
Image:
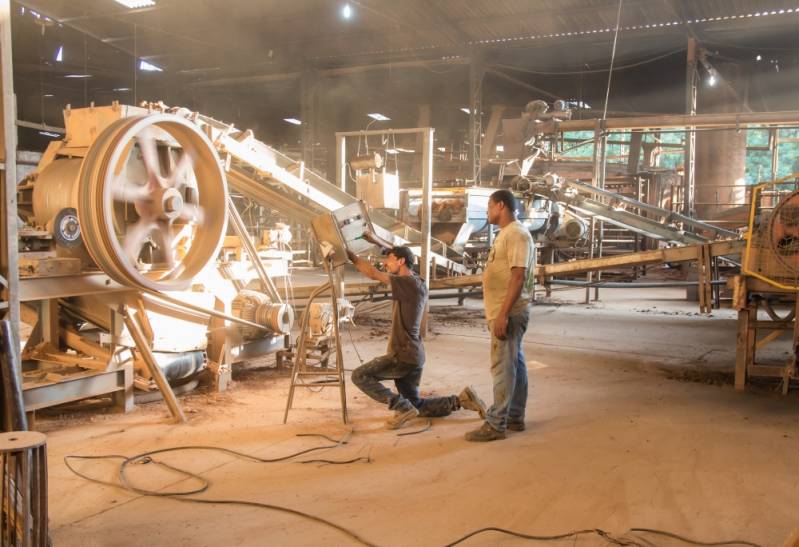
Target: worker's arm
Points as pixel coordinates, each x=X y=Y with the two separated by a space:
x=367 y=269
x=373 y=238
x=517 y=278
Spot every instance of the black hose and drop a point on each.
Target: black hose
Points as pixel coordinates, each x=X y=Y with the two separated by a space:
x=14 y=419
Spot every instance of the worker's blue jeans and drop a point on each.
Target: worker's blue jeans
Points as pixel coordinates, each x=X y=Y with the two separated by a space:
x=509 y=372
x=406 y=378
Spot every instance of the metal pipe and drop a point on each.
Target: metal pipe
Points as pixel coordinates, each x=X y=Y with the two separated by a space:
x=252 y=252
x=631 y=285
x=715 y=121
x=201 y=310
x=433 y=296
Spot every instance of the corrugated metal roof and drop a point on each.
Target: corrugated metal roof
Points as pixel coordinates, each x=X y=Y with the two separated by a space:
x=185 y=34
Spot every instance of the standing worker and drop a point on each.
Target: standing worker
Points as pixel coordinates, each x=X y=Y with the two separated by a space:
x=507 y=291
x=404 y=358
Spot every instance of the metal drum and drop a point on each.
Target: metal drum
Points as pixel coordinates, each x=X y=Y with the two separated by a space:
x=23 y=492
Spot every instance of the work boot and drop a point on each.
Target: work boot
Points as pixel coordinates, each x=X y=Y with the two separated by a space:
x=484 y=434
x=469 y=400
x=401 y=417
x=516 y=425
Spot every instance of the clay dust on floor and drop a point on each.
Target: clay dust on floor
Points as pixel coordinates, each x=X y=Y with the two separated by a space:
x=613 y=442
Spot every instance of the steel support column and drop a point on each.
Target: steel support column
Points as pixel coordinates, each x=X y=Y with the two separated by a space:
x=9 y=272
x=476 y=73
x=425 y=212
x=308 y=86
x=689 y=169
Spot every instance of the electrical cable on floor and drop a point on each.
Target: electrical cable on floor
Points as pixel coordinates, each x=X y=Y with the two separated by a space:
x=594 y=531
x=364 y=459
x=608 y=537
x=416 y=432
x=146 y=458
x=694 y=541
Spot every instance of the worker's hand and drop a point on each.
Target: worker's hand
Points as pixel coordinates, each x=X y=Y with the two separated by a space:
x=501 y=327
x=352 y=256
x=369 y=237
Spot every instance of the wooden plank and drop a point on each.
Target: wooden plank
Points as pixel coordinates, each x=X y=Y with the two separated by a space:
x=766 y=371
x=768 y=339
x=76 y=342
x=738 y=285
x=702 y=278
x=772 y=325
x=142 y=383
x=46 y=267
x=89 y=363
x=790 y=366
x=742 y=350
x=751 y=337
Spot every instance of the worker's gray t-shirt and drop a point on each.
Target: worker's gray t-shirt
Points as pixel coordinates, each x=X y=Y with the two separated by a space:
x=410 y=296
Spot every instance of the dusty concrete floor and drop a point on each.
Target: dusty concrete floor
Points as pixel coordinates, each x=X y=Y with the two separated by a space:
x=616 y=439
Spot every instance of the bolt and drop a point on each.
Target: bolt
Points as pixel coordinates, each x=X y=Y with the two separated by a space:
x=173 y=203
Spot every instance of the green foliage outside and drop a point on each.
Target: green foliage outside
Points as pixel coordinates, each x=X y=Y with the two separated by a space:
x=758 y=162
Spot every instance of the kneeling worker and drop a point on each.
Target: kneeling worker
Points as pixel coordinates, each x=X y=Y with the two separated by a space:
x=404 y=358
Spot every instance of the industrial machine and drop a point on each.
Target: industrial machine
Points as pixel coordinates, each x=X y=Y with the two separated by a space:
x=769 y=282
x=124 y=220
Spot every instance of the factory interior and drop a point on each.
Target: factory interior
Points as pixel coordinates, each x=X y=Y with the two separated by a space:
x=561 y=228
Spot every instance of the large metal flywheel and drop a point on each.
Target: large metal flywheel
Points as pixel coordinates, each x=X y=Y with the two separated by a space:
x=151 y=200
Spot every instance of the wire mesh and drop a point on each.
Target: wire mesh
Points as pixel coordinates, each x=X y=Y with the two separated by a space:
x=772 y=250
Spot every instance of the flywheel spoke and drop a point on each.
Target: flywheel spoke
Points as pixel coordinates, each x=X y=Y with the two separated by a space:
x=192 y=213
x=149 y=153
x=167 y=243
x=184 y=166
x=136 y=236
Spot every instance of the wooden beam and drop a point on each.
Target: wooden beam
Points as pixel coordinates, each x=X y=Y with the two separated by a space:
x=76 y=342
x=658 y=256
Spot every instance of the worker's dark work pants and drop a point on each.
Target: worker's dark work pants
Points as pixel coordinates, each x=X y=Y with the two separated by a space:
x=406 y=377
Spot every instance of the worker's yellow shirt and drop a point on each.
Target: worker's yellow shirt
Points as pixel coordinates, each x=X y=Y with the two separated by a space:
x=513 y=248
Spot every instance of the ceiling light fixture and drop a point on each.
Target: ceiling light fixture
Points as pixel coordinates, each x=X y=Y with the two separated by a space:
x=378 y=117
x=49 y=134
x=292 y=121
x=346 y=11
x=466 y=110
x=149 y=67
x=78 y=76
x=59 y=56
x=136 y=4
